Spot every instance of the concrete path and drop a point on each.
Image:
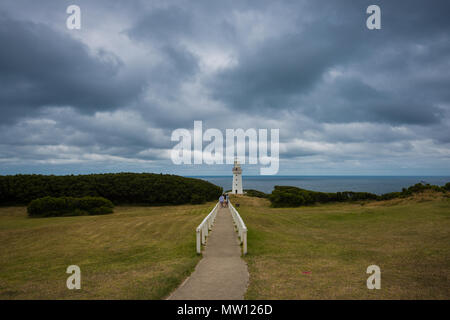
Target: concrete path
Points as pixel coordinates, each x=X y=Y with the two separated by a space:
x=221 y=274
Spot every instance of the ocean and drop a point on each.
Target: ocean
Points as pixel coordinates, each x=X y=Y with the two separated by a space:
x=373 y=184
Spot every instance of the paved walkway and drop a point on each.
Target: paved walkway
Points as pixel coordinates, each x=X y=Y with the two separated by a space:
x=221 y=274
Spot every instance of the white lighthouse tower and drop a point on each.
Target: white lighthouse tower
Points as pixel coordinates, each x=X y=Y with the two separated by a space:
x=237 y=178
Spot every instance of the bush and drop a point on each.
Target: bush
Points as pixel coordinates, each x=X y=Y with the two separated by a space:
x=288 y=197
x=68 y=206
x=255 y=193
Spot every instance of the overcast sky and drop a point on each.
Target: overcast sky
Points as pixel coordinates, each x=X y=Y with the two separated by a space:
x=106 y=98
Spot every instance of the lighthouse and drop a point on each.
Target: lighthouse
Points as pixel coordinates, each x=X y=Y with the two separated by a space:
x=237 y=178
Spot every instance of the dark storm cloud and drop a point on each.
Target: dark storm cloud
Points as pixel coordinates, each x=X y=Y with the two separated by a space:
x=352 y=100
x=180 y=65
x=415 y=20
x=271 y=74
x=42 y=67
x=288 y=72
x=278 y=71
x=163 y=25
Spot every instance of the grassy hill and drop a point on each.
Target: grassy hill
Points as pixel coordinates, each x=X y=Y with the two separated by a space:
x=323 y=251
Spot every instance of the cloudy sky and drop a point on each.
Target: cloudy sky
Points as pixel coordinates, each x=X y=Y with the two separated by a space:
x=106 y=98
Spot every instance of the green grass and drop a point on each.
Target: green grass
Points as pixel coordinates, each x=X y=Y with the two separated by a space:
x=408 y=239
x=134 y=253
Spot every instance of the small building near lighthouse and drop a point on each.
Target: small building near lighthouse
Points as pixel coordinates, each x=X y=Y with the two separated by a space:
x=237 y=178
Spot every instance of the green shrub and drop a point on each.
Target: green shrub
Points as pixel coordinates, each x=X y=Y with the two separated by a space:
x=255 y=193
x=68 y=206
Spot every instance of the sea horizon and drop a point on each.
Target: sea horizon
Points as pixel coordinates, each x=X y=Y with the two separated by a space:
x=328 y=183
x=316 y=175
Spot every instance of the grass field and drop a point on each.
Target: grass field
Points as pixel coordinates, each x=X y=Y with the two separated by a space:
x=315 y=252
x=134 y=253
x=323 y=251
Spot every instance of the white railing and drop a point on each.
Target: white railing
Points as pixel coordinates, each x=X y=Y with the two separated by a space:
x=204 y=227
x=240 y=226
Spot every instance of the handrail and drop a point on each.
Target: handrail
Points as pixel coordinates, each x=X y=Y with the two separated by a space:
x=204 y=227
x=240 y=225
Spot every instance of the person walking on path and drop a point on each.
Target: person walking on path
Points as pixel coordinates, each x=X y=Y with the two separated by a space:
x=221 y=199
x=227 y=199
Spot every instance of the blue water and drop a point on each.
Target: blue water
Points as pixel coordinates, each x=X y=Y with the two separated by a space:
x=373 y=184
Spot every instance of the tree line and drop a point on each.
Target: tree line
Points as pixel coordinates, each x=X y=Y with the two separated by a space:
x=120 y=188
